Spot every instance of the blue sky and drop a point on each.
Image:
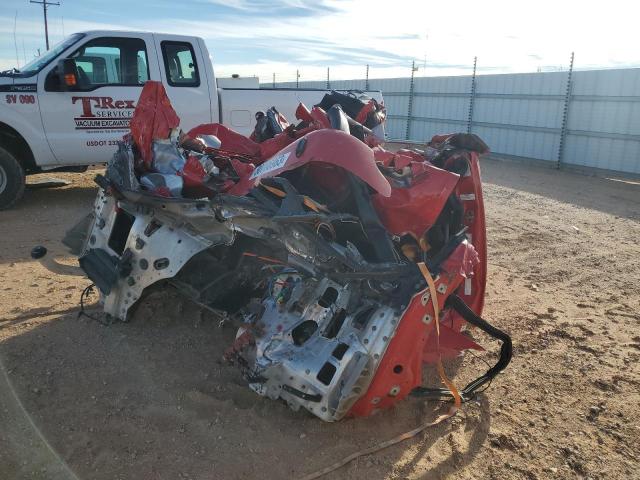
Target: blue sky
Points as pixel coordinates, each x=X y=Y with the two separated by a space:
x=252 y=37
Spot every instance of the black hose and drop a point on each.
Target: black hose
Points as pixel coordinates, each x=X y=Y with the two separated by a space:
x=506 y=352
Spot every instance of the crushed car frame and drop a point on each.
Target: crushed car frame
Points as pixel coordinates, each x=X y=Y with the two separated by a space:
x=346 y=266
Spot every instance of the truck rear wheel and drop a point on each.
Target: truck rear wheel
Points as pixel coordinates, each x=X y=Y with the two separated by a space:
x=11 y=180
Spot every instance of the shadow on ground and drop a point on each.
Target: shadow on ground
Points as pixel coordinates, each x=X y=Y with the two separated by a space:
x=41 y=218
x=152 y=399
x=615 y=196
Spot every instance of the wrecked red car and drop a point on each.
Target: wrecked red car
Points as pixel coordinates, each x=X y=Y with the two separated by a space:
x=346 y=266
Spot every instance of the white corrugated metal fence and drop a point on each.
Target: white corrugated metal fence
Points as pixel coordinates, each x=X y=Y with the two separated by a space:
x=521 y=115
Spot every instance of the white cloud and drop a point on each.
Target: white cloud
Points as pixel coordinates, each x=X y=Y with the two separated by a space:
x=506 y=36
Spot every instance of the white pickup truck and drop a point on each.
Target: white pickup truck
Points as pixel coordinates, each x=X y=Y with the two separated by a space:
x=67 y=109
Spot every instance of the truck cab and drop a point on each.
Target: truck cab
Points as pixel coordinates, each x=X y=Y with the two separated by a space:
x=68 y=108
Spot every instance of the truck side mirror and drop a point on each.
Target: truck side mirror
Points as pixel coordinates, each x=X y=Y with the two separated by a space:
x=68 y=74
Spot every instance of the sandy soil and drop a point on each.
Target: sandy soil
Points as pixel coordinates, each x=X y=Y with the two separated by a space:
x=152 y=398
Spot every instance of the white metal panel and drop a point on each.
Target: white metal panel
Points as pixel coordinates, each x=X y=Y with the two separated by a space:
x=521 y=114
x=619 y=82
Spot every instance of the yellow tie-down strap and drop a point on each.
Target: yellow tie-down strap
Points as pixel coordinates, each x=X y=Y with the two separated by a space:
x=457 y=401
x=309 y=202
x=411 y=433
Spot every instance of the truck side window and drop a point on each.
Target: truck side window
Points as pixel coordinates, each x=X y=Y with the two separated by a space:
x=180 y=64
x=112 y=61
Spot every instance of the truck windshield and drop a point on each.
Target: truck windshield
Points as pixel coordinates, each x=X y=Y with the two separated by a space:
x=38 y=63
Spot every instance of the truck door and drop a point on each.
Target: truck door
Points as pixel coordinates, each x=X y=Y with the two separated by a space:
x=185 y=79
x=82 y=126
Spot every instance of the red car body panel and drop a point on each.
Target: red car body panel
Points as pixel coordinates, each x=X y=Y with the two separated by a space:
x=407 y=205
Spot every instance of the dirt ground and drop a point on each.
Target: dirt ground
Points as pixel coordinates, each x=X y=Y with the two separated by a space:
x=152 y=399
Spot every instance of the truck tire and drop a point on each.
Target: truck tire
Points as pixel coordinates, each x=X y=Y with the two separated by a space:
x=12 y=180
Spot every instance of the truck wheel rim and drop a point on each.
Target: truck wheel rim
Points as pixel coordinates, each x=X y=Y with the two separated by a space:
x=3 y=180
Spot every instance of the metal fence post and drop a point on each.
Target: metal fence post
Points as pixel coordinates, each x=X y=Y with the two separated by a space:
x=472 y=96
x=565 y=115
x=407 y=133
x=366 y=82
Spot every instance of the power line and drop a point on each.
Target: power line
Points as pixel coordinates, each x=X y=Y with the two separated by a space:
x=15 y=42
x=45 y=4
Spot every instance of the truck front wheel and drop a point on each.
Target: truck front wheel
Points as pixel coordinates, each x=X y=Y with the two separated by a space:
x=11 y=180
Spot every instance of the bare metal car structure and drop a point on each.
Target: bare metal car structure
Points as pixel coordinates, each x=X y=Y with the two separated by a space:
x=347 y=266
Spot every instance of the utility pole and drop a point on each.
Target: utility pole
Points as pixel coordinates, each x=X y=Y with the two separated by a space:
x=328 y=81
x=407 y=134
x=45 y=4
x=472 y=95
x=297 y=78
x=565 y=114
x=366 y=82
